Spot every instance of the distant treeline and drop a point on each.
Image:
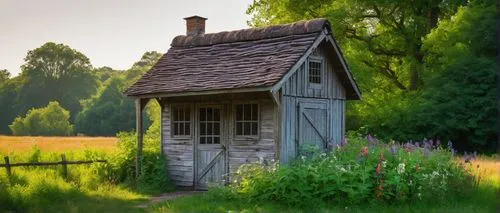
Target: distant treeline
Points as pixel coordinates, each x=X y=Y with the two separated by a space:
x=93 y=96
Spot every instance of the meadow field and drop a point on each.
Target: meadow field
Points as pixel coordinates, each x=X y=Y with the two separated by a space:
x=15 y=144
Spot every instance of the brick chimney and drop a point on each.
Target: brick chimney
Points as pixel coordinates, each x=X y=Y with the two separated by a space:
x=195 y=25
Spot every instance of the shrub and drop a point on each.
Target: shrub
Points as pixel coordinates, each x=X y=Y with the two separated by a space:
x=358 y=172
x=52 y=120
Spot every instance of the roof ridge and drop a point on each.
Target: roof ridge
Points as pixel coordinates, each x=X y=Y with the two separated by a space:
x=250 y=34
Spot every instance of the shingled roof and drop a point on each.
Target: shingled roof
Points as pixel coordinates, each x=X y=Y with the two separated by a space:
x=249 y=58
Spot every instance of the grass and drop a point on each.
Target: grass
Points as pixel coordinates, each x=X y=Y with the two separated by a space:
x=484 y=198
x=18 y=144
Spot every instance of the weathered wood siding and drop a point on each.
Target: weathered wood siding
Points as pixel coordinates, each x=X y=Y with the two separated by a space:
x=180 y=152
x=296 y=90
x=246 y=150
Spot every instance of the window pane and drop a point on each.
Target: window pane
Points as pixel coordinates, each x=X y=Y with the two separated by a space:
x=187 y=128
x=216 y=140
x=216 y=128
x=181 y=128
x=209 y=129
x=202 y=140
x=209 y=140
x=181 y=114
x=239 y=112
x=254 y=128
x=187 y=114
x=209 y=114
x=203 y=130
x=246 y=111
x=176 y=128
x=246 y=128
x=239 y=128
x=203 y=114
x=255 y=112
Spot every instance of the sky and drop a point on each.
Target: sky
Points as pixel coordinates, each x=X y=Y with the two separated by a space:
x=112 y=33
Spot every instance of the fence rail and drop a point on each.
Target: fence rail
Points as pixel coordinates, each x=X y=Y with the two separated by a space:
x=8 y=166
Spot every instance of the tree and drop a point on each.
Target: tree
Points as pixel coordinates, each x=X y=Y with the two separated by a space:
x=48 y=121
x=56 y=72
x=384 y=37
x=4 y=76
x=8 y=96
x=458 y=102
x=110 y=111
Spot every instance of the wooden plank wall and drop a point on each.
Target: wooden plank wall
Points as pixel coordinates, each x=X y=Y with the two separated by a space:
x=297 y=90
x=180 y=152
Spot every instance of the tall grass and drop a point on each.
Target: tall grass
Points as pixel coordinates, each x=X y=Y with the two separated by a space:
x=110 y=186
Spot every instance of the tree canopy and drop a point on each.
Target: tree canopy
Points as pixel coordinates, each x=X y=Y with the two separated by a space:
x=50 y=120
x=56 y=72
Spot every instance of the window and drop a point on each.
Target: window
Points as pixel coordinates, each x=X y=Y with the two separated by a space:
x=315 y=71
x=181 y=121
x=247 y=119
x=209 y=126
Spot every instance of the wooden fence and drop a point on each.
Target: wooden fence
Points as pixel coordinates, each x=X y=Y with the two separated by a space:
x=8 y=166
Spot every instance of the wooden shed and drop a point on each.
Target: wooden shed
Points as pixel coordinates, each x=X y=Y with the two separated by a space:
x=242 y=96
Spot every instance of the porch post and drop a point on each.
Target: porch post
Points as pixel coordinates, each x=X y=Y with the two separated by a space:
x=140 y=103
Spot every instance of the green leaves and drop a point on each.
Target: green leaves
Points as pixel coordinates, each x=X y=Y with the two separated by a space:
x=50 y=120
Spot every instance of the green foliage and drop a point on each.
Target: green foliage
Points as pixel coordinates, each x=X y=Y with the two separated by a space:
x=55 y=72
x=458 y=101
x=99 y=187
x=358 y=172
x=4 y=76
x=425 y=68
x=50 y=120
x=109 y=111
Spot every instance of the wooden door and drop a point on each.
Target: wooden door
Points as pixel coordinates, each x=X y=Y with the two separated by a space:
x=210 y=151
x=313 y=124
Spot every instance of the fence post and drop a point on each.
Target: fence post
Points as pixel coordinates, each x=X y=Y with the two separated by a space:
x=65 y=166
x=7 y=165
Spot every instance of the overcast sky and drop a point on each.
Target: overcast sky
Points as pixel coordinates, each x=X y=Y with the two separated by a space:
x=111 y=33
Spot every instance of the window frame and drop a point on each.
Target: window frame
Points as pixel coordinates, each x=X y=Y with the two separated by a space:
x=320 y=60
x=235 y=121
x=220 y=122
x=172 y=122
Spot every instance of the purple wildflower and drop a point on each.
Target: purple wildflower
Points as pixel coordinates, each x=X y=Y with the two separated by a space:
x=438 y=143
x=343 y=142
x=431 y=143
x=417 y=144
x=393 y=149
x=474 y=155
x=426 y=151
x=450 y=145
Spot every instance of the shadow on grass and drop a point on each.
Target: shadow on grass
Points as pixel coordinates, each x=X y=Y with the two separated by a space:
x=50 y=199
x=481 y=200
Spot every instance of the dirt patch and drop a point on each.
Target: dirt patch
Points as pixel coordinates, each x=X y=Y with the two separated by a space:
x=168 y=196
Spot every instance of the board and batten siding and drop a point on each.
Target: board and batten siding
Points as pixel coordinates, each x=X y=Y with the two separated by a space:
x=297 y=89
x=180 y=152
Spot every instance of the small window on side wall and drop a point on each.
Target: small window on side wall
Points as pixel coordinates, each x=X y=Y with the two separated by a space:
x=247 y=120
x=315 y=71
x=181 y=121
